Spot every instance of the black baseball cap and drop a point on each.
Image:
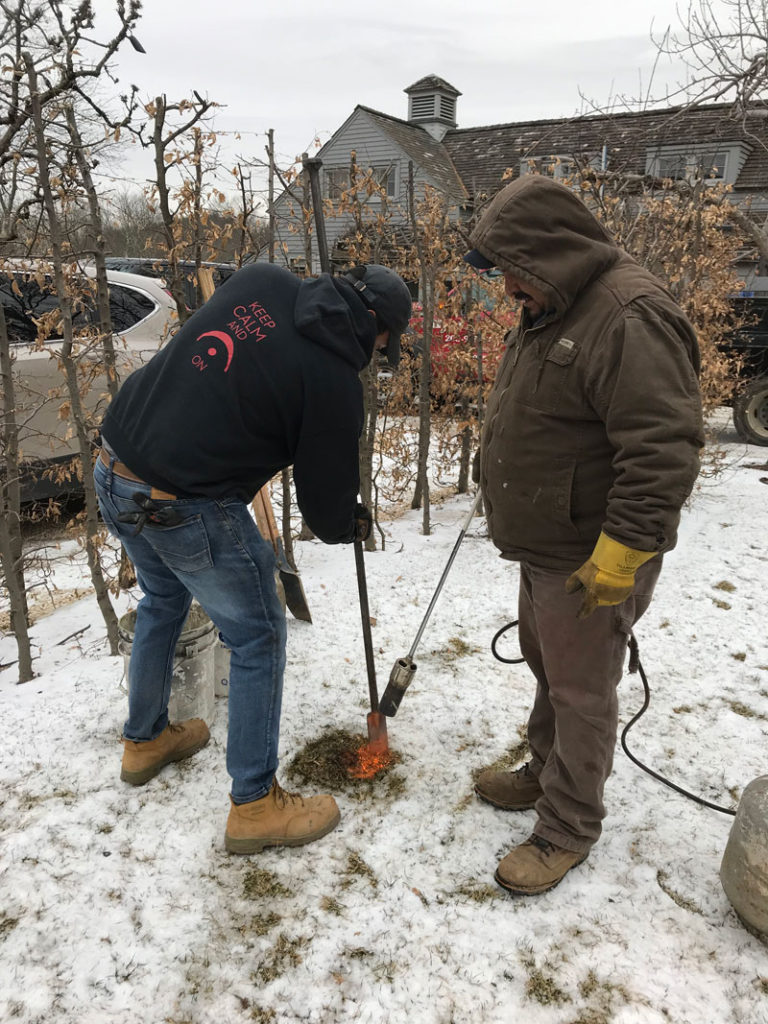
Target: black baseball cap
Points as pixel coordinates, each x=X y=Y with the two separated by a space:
x=476 y=259
x=386 y=293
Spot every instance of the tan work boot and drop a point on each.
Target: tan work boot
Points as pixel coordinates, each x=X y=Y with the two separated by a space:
x=279 y=819
x=142 y=761
x=535 y=866
x=511 y=791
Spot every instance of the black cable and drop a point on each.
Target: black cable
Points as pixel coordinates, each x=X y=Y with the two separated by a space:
x=500 y=633
x=634 y=666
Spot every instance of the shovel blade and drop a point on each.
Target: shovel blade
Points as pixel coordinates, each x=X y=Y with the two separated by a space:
x=295 y=597
x=378 y=741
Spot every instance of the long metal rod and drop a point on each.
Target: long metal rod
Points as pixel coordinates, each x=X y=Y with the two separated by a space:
x=366 y=617
x=312 y=166
x=436 y=594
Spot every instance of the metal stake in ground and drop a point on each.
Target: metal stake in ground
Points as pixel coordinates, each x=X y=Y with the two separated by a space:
x=401 y=676
x=377 y=723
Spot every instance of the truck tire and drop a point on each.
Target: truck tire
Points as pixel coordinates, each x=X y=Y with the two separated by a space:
x=750 y=412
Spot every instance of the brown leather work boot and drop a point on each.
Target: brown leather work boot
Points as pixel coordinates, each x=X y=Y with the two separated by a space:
x=279 y=819
x=142 y=761
x=511 y=791
x=535 y=866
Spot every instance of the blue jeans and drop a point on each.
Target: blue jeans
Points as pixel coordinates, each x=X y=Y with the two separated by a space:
x=216 y=555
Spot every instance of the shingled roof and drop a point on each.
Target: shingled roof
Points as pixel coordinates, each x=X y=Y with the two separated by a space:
x=425 y=151
x=482 y=155
x=430 y=82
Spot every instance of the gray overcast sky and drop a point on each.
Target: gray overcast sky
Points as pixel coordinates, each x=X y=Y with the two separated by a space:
x=300 y=67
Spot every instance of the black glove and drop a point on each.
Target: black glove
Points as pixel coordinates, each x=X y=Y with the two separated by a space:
x=363 y=522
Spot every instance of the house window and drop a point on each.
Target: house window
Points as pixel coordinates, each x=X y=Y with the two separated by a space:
x=552 y=166
x=385 y=177
x=337 y=180
x=691 y=163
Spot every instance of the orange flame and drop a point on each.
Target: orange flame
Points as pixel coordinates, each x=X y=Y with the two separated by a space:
x=368 y=760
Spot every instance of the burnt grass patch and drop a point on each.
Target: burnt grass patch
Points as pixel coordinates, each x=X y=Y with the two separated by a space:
x=325 y=763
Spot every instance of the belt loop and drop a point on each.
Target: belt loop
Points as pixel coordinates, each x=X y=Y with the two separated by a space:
x=112 y=460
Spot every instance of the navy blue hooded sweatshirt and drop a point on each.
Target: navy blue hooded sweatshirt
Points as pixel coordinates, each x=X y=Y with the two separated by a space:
x=263 y=376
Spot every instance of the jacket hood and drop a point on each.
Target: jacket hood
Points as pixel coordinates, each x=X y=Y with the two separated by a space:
x=330 y=313
x=541 y=232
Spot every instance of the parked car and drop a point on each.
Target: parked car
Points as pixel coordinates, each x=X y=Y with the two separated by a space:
x=158 y=268
x=750 y=343
x=143 y=316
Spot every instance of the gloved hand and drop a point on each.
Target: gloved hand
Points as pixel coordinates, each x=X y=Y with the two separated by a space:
x=363 y=522
x=608 y=575
x=476 y=467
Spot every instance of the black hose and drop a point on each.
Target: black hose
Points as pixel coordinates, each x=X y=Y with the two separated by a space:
x=634 y=660
x=498 y=635
x=635 y=665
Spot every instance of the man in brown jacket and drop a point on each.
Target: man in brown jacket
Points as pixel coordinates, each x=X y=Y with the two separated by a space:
x=590 y=447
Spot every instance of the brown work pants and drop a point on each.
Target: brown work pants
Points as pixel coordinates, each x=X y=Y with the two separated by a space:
x=572 y=728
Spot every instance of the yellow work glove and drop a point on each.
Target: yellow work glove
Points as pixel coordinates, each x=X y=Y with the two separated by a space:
x=608 y=576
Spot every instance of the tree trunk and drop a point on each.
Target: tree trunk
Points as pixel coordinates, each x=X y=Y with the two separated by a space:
x=77 y=411
x=126 y=577
x=425 y=418
x=271 y=199
x=421 y=491
x=11 y=549
x=99 y=253
x=480 y=401
x=465 y=450
x=163 y=196
x=287 y=531
x=197 y=214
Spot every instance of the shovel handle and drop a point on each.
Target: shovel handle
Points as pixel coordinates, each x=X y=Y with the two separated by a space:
x=257 y=507
x=270 y=515
x=265 y=517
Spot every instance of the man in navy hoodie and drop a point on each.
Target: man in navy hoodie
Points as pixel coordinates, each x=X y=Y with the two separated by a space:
x=265 y=375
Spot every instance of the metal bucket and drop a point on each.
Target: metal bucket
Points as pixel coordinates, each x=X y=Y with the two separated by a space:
x=221 y=655
x=744 y=870
x=192 y=684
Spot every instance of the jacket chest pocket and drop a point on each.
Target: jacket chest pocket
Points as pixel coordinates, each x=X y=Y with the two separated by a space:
x=555 y=376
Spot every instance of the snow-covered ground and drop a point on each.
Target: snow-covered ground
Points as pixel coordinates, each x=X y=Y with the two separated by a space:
x=120 y=904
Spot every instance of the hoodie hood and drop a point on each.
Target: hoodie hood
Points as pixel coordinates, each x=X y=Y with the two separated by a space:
x=329 y=312
x=540 y=232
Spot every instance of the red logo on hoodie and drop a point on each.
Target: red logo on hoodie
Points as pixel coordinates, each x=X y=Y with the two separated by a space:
x=229 y=347
x=249 y=322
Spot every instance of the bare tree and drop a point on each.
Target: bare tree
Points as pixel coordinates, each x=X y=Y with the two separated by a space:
x=56 y=29
x=172 y=150
x=131 y=226
x=724 y=48
x=11 y=550
x=47 y=63
x=68 y=356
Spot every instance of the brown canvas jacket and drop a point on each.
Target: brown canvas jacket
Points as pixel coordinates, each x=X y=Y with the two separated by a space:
x=594 y=421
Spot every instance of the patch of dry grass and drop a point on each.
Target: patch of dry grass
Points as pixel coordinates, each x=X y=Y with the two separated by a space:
x=324 y=764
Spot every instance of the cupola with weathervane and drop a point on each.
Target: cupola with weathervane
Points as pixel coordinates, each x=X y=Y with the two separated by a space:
x=432 y=105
